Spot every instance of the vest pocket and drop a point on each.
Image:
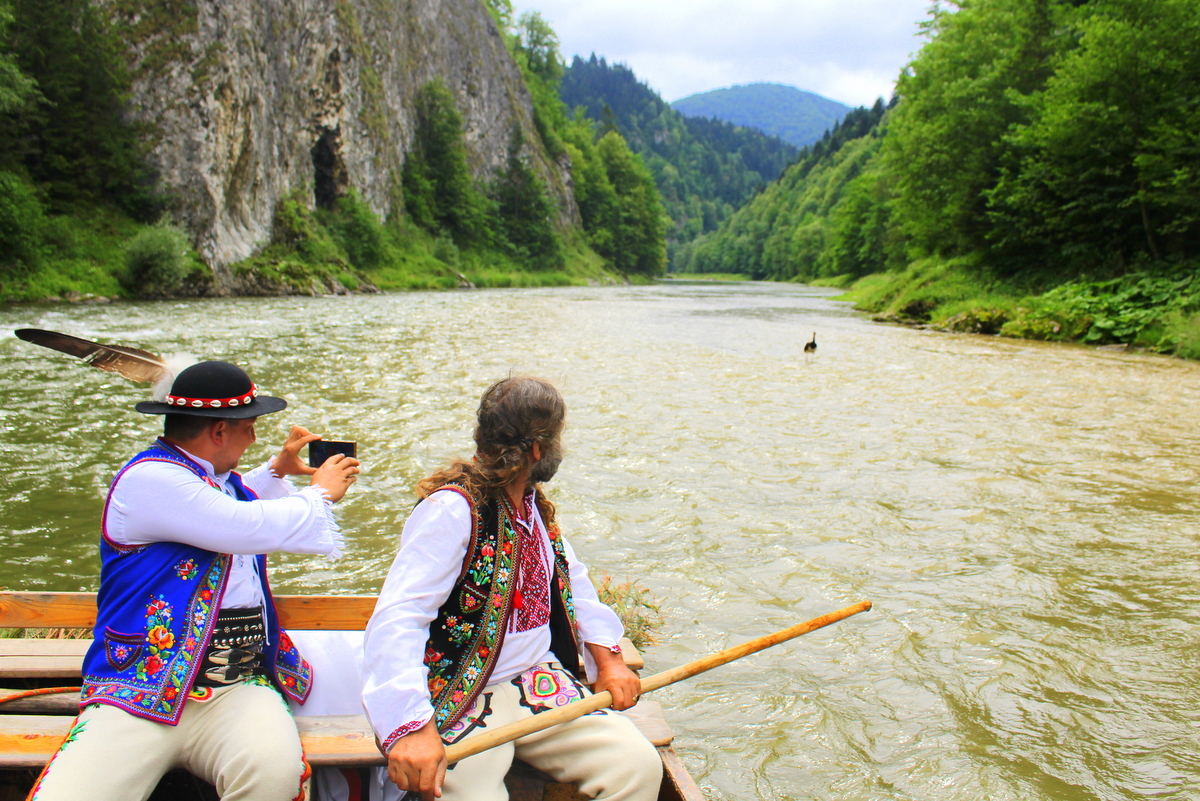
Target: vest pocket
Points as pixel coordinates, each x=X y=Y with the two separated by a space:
x=122 y=650
x=472 y=597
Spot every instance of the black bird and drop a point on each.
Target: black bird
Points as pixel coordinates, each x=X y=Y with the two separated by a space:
x=811 y=347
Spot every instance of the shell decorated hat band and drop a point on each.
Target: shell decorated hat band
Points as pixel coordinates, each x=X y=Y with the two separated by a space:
x=213 y=403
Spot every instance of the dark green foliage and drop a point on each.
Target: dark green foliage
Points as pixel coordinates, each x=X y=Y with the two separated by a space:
x=21 y=223
x=157 y=260
x=793 y=115
x=524 y=213
x=358 y=232
x=827 y=216
x=620 y=207
x=1107 y=163
x=74 y=140
x=439 y=190
x=703 y=169
x=16 y=88
x=638 y=222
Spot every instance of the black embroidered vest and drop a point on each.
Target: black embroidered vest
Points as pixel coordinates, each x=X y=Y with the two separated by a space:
x=466 y=636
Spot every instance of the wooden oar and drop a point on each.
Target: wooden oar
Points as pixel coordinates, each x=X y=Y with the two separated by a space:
x=482 y=742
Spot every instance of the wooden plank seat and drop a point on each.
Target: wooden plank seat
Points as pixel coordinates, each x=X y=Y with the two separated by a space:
x=28 y=740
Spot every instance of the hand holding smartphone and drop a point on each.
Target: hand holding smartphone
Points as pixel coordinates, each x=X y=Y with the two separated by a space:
x=321 y=449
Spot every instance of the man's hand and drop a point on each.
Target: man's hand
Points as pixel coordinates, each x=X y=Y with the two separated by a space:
x=288 y=462
x=614 y=676
x=336 y=475
x=417 y=762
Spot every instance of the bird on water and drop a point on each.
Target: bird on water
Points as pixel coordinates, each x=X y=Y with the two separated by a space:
x=811 y=347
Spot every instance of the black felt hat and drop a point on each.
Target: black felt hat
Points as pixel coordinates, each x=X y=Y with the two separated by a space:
x=214 y=389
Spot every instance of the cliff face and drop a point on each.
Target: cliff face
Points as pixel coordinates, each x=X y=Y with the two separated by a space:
x=252 y=100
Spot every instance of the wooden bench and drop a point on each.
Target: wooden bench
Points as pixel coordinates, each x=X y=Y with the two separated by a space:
x=30 y=740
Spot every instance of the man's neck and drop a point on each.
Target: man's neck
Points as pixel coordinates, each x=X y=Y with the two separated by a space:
x=516 y=492
x=196 y=449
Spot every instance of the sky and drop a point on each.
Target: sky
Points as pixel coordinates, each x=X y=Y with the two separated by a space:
x=847 y=50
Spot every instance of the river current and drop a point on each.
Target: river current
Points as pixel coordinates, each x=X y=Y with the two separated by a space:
x=1023 y=515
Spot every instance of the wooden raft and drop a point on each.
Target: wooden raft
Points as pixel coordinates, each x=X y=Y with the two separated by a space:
x=29 y=740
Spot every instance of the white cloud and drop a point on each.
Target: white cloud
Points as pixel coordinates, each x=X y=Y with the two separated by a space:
x=849 y=50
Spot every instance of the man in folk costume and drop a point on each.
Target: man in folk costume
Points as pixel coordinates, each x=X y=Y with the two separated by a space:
x=189 y=661
x=481 y=620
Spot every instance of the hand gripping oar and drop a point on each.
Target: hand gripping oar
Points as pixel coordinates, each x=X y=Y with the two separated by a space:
x=482 y=742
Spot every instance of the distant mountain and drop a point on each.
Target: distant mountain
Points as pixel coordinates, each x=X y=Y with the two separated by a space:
x=791 y=114
x=705 y=169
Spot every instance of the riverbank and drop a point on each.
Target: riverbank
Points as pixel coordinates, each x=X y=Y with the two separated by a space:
x=97 y=254
x=1155 y=311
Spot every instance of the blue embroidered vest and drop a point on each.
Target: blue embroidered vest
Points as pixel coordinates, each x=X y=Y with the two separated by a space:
x=466 y=636
x=156 y=610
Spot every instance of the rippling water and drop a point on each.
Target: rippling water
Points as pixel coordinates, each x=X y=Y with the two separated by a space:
x=1023 y=516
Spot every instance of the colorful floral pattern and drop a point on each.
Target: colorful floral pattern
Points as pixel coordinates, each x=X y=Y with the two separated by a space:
x=543 y=689
x=467 y=635
x=474 y=718
x=160 y=665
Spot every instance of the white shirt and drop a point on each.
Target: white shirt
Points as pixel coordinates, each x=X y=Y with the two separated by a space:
x=164 y=502
x=423 y=574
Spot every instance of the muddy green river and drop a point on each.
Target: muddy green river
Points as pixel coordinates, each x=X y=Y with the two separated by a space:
x=1025 y=517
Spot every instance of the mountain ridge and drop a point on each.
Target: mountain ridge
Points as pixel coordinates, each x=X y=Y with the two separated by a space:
x=795 y=115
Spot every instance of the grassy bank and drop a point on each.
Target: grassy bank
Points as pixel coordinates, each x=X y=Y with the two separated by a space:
x=98 y=252
x=1158 y=311
x=708 y=276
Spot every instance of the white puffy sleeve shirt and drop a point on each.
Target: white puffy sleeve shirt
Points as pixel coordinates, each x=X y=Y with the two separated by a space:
x=432 y=551
x=164 y=502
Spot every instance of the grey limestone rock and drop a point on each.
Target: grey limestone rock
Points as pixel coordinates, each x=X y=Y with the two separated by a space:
x=254 y=100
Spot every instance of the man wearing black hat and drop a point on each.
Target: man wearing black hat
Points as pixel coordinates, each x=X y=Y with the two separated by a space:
x=189 y=662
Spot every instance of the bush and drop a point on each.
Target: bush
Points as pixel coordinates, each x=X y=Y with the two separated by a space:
x=156 y=261
x=635 y=606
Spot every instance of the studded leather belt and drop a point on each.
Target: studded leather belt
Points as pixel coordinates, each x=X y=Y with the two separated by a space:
x=235 y=651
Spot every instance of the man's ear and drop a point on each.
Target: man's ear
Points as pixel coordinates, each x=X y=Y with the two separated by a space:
x=536 y=450
x=218 y=432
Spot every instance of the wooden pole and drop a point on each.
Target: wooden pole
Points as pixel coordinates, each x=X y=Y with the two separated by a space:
x=483 y=742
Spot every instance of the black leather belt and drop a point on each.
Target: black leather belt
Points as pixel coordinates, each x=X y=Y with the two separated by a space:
x=235 y=651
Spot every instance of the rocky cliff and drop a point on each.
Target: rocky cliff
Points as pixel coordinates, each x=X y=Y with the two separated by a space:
x=253 y=100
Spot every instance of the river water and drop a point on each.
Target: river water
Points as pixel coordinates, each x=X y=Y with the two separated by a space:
x=1023 y=516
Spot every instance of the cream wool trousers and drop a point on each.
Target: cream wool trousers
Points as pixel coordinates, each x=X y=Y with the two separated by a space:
x=242 y=740
x=603 y=752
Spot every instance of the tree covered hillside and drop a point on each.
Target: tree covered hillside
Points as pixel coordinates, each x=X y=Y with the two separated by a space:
x=83 y=213
x=1037 y=177
x=807 y=225
x=792 y=114
x=704 y=169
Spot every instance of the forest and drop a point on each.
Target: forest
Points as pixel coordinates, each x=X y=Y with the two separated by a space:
x=1036 y=175
x=792 y=114
x=81 y=212
x=704 y=168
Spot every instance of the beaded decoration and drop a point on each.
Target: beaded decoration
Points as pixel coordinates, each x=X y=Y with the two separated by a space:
x=214 y=403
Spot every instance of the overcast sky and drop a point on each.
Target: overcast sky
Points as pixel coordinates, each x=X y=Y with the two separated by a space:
x=847 y=50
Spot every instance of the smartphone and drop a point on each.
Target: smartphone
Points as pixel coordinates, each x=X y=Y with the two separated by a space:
x=321 y=449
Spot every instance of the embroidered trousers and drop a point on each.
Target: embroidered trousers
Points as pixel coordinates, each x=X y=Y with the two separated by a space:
x=604 y=751
x=242 y=740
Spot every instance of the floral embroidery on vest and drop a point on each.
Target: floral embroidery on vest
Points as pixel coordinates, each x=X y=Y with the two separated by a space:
x=466 y=637
x=150 y=674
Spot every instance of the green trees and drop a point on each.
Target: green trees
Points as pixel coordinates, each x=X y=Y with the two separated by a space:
x=72 y=139
x=1033 y=142
x=703 y=168
x=1051 y=137
x=1106 y=170
x=828 y=215
x=618 y=202
x=439 y=191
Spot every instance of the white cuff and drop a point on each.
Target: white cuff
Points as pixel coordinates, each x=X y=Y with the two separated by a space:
x=325 y=527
